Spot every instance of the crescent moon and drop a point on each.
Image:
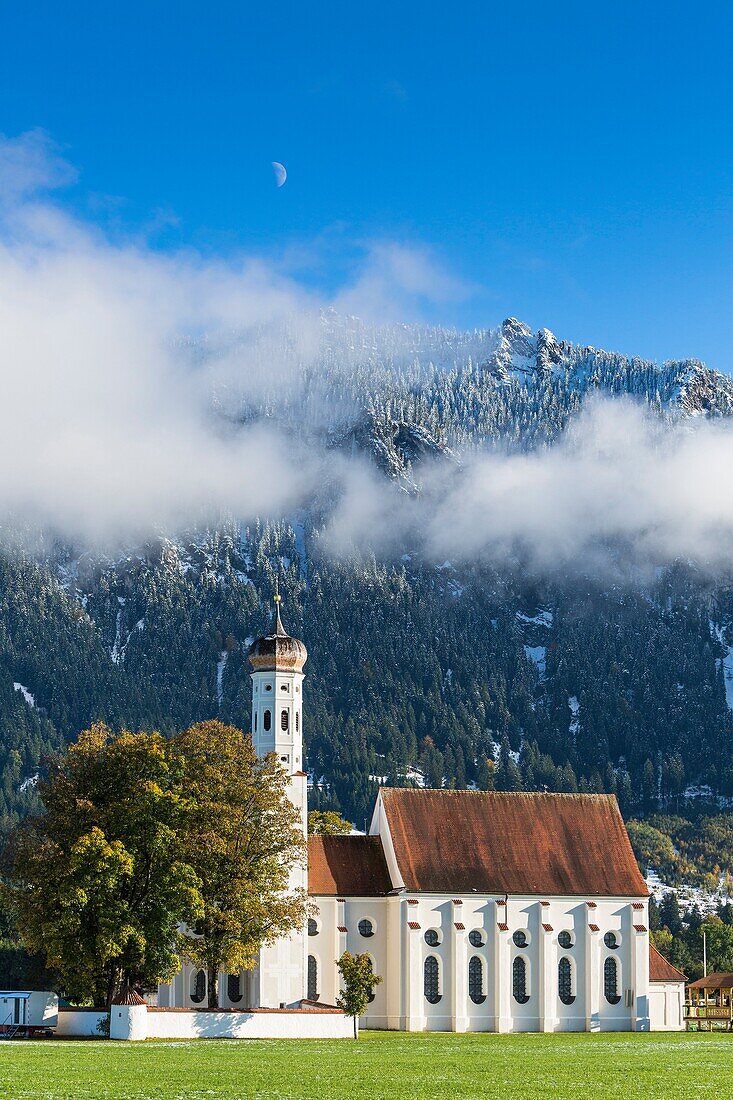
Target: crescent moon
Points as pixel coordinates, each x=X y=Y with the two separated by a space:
x=280 y=174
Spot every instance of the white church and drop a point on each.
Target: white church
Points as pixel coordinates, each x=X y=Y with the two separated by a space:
x=481 y=911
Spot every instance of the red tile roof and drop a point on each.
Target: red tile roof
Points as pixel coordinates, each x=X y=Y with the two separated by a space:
x=640 y=928
x=547 y=927
x=351 y=865
x=460 y=927
x=413 y=925
x=594 y=927
x=661 y=970
x=515 y=843
x=503 y=927
x=723 y=980
x=129 y=997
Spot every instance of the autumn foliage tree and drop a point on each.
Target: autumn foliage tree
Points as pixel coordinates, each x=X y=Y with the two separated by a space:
x=149 y=847
x=242 y=837
x=98 y=883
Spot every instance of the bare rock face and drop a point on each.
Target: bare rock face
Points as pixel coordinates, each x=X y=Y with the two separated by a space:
x=396 y=448
x=701 y=391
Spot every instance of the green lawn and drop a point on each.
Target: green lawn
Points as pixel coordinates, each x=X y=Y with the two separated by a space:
x=379 y=1065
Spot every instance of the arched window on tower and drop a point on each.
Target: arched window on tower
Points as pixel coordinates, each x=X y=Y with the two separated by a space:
x=476 y=980
x=284 y=721
x=313 y=993
x=267 y=721
x=431 y=980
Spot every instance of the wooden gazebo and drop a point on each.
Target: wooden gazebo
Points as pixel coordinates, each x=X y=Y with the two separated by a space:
x=710 y=1003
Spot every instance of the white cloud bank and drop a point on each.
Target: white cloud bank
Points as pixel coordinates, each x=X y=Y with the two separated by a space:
x=105 y=415
x=618 y=487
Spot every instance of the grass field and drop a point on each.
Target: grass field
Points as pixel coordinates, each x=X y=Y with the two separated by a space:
x=380 y=1066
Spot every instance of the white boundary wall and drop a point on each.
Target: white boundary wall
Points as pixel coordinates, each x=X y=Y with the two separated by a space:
x=138 y=1022
x=79 y=1023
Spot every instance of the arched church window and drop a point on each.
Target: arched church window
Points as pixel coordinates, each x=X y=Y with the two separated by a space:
x=519 y=980
x=284 y=721
x=312 y=927
x=611 y=940
x=313 y=993
x=476 y=937
x=431 y=980
x=234 y=988
x=366 y=928
x=267 y=720
x=610 y=981
x=432 y=937
x=565 y=981
x=520 y=938
x=372 y=995
x=476 y=980
x=565 y=939
x=198 y=986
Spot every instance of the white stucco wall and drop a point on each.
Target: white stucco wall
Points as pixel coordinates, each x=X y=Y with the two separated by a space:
x=666 y=1006
x=399 y=952
x=79 y=1022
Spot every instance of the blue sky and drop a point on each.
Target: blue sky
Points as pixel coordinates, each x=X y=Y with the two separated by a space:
x=568 y=163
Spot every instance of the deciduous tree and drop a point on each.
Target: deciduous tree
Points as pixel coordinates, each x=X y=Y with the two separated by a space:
x=97 y=884
x=242 y=837
x=359 y=981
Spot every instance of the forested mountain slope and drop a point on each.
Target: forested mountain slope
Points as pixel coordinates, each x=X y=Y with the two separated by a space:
x=418 y=672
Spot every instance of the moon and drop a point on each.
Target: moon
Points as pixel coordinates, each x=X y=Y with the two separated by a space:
x=280 y=174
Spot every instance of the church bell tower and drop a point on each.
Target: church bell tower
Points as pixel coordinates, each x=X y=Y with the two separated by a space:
x=277 y=662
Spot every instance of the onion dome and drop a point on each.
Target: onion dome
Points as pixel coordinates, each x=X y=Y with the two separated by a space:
x=277 y=650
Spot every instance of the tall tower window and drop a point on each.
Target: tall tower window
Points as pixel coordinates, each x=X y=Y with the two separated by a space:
x=297 y=721
x=284 y=721
x=267 y=720
x=255 y=721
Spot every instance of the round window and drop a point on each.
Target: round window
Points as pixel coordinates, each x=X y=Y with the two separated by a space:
x=366 y=928
x=565 y=939
x=476 y=938
x=520 y=938
x=312 y=927
x=432 y=937
x=611 y=940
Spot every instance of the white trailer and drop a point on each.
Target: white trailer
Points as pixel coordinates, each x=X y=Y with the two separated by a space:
x=27 y=1012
